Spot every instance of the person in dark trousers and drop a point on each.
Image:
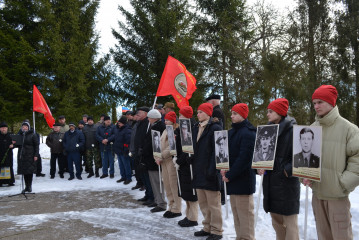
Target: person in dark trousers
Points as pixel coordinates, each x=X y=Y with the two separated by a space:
x=6 y=155
x=80 y=126
x=92 y=148
x=28 y=154
x=184 y=174
x=281 y=191
x=206 y=178
x=241 y=178
x=74 y=142
x=54 y=142
x=121 y=148
x=105 y=135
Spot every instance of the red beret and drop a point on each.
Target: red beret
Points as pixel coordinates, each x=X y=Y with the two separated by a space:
x=241 y=109
x=280 y=106
x=207 y=108
x=327 y=93
x=171 y=116
x=186 y=111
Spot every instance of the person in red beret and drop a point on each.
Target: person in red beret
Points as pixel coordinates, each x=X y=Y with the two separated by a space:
x=281 y=191
x=339 y=167
x=241 y=178
x=168 y=169
x=206 y=178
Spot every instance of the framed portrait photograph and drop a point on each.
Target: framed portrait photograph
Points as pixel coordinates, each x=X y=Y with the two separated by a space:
x=186 y=135
x=307 y=150
x=221 y=149
x=265 y=146
x=171 y=139
x=156 y=143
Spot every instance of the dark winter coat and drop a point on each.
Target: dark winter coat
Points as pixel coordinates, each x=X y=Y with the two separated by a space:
x=241 y=140
x=148 y=159
x=218 y=113
x=205 y=175
x=108 y=133
x=132 y=140
x=122 y=139
x=281 y=193
x=5 y=142
x=54 y=143
x=184 y=172
x=139 y=139
x=89 y=132
x=26 y=153
x=73 y=138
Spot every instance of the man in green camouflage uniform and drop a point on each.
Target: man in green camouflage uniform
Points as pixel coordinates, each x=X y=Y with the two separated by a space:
x=92 y=148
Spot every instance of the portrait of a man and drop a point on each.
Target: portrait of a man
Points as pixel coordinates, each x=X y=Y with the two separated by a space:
x=265 y=144
x=186 y=136
x=306 y=158
x=221 y=147
x=171 y=138
x=156 y=142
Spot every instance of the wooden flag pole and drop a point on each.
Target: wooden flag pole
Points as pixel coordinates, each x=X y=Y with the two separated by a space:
x=258 y=201
x=190 y=167
x=159 y=175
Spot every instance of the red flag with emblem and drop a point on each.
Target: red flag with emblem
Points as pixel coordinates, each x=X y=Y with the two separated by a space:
x=39 y=105
x=177 y=81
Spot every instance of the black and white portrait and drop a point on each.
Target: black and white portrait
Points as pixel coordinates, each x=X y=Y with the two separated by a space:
x=156 y=141
x=171 y=137
x=306 y=147
x=266 y=141
x=221 y=147
x=186 y=134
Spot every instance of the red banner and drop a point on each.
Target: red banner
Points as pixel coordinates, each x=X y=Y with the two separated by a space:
x=39 y=105
x=177 y=81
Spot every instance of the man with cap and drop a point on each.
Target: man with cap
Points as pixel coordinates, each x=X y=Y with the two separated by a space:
x=84 y=118
x=340 y=171
x=186 y=138
x=241 y=179
x=159 y=107
x=215 y=100
x=73 y=143
x=105 y=135
x=92 y=152
x=80 y=126
x=129 y=115
x=169 y=107
x=54 y=142
x=6 y=156
x=101 y=121
x=265 y=146
x=281 y=191
x=206 y=178
x=222 y=156
x=64 y=127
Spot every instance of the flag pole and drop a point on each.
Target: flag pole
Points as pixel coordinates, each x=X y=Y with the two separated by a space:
x=33 y=119
x=258 y=201
x=306 y=212
x=225 y=198
x=190 y=168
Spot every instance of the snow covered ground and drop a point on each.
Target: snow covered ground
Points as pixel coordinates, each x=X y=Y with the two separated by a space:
x=124 y=220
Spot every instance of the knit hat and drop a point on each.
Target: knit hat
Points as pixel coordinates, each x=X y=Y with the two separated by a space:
x=241 y=109
x=72 y=124
x=82 y=122
x=327 y=93
x=171 y=116
x=26 y=124
x=89 y=118
x=105 y=118
x=154 y=113
x=280 y=106
x=3 y=124
x=207 y=108
x=123 y=119
x=186 y=111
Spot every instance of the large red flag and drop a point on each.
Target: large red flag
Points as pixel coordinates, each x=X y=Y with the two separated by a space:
x=177 y=81
x=39 y=105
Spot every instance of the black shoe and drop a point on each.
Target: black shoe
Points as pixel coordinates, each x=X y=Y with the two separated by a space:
x=187 y=223
x=144 y=199
x=112 y=175
x=136 y=187
x=214 y=237
x=152 y=205
x=9 y=185
x=52 y=177
x=142 y=188
x=104 y=176
x=61 y=175
x=169 y=214
x=96 y=172
x=157 y=209
x=29 y=189
x=182 y=221
x=127 y=182
x=79 y=178
x=71 y=178
x=223 y=203
x=148 y=202
x=90 y=175
x=40 y=175
x=201 y=233
x=121 y=180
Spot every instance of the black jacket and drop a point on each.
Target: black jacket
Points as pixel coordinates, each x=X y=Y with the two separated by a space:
x=122 y=139
x=241 y=140
x=148 y=159
x=218 y=113
x=139 y=139
x=105 y=132
x=5 y=142
x=205 y=175
x=89 y=132
x=282 y=193
x=27 y=151
x=54 y=142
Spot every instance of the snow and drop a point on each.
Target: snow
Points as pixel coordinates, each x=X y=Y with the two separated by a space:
x=136 y=221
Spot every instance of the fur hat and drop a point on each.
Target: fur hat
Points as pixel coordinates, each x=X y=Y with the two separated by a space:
x=105 y=118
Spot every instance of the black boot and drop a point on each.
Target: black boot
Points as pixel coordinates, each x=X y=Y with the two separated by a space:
x=96 y=172
x=91 y=174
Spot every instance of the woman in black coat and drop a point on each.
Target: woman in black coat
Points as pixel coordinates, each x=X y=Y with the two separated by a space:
x=6 y=156
x=27 y=155
x=280 y=189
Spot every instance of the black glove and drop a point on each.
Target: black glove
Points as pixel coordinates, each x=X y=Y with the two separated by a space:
x=190 y=159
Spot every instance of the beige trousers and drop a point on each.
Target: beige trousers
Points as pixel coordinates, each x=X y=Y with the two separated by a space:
x=169 y=176
x=333 y=219
x=286 y=227
x=192 y=210
x=243 y=216
x=210 y=205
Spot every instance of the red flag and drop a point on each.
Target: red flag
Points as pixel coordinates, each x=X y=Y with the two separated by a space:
x=177 y=81
x=39 y=105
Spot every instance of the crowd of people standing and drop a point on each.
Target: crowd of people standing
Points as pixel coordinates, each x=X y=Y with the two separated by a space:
x=199 y=183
